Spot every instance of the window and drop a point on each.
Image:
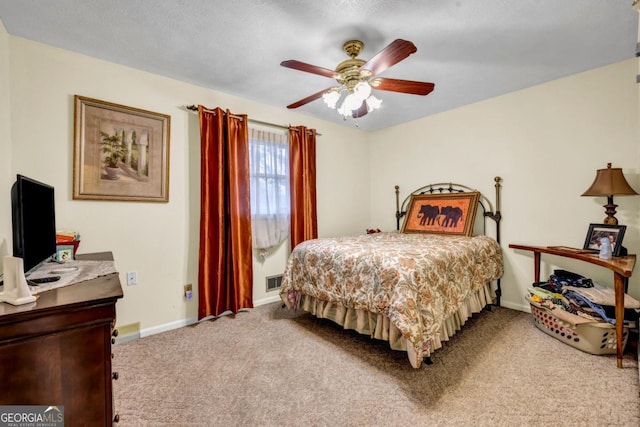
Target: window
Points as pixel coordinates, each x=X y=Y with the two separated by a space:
x=269 y=174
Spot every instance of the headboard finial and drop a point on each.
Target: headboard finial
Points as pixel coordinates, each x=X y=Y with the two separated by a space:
x=398 y=215
x=498 y=180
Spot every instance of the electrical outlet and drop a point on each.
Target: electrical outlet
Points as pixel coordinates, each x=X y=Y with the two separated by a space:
x=132 y=278
x=188 y=294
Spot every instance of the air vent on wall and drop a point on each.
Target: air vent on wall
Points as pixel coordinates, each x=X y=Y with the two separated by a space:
x=274 y=282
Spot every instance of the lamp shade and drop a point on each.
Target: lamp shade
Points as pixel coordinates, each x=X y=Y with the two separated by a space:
x=609 y=182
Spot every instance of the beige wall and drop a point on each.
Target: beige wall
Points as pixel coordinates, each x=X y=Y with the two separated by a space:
x=5 y=148
x=546 y=142
x=158 y=241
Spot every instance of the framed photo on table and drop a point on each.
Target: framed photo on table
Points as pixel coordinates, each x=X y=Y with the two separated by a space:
x=120 y=152
x=64 y=253
x=449 y=214
x=615 y=234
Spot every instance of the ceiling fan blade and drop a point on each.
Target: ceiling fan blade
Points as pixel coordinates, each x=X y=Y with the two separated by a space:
x=308 y=99
x=403 y=86
x=301 y=66
x=360 y=112
x=396 y=51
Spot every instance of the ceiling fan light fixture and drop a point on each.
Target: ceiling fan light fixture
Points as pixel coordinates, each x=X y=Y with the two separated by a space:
x=362 y=90
x=351 y=102
x=373 y=103
x=343 y=111
x=357 y=78
x=331 y=98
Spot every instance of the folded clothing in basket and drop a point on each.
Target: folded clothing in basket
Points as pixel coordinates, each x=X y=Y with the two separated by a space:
x=586 y=335
x=578 y=301
x=605 y=295
x=540 y=293
x=561 y=278
x=582 y=306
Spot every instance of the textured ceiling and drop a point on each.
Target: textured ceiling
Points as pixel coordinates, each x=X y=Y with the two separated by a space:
x=471 y=49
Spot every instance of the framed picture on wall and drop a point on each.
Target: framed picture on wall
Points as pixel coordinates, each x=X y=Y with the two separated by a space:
x=120 y=152
x=451 y=214
x=596 y=232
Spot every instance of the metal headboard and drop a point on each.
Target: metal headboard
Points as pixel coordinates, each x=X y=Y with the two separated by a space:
x=484 y=203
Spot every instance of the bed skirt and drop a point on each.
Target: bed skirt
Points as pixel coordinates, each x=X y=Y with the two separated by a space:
x=379 y=326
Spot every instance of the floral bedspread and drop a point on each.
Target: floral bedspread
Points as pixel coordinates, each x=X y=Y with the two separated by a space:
x=417 y=280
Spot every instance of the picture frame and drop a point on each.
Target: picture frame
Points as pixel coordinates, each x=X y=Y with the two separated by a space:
x=441 y=213
x=120 y=153
x=615 y=233
x=64 y=253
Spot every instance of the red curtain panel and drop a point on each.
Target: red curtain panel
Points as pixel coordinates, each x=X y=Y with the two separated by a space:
x=225 y=276
x=302 y=170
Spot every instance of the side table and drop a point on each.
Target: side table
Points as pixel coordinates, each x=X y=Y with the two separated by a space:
x=622 y=268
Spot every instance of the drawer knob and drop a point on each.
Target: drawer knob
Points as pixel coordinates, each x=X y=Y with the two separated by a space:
x=114 y=333
x=115 y=375
x=116 y=419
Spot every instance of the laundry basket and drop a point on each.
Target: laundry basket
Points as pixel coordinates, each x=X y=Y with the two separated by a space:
x=592 y=337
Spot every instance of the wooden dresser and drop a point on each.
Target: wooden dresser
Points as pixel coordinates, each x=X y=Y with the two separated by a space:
x=57 y=350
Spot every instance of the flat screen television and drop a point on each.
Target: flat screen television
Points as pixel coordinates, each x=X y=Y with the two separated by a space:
x=33 y=221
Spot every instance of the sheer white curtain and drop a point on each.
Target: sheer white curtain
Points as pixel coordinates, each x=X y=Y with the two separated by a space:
x=270 y=204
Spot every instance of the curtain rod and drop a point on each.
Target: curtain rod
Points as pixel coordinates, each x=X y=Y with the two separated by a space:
x=195 y=108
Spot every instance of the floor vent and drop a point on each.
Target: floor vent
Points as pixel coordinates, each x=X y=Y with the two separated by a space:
x=274 y=282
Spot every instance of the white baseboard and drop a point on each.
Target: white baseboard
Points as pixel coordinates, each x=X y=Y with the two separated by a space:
x=155 y=330
x=267 y=300
x=167 y=327
x=179 y=324
x=520 y=307
x=122 y=339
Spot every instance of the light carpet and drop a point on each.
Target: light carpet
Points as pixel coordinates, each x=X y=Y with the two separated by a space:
x=269 y=366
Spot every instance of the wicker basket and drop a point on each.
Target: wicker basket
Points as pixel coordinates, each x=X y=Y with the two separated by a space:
x=593 y=337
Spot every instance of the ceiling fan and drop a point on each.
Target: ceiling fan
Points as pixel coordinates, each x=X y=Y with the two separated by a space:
x=358 y=77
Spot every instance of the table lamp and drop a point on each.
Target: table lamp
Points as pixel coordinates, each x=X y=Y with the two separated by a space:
x=610 y=182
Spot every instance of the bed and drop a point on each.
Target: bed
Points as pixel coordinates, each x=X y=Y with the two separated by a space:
x=414 y=287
